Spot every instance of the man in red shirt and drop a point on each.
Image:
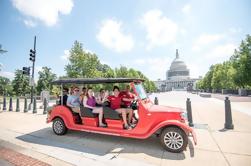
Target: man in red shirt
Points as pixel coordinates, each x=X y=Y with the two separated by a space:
x=115 y=101
x=127 y=96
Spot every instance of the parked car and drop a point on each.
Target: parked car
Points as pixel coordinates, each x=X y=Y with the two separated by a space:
x=166 y=122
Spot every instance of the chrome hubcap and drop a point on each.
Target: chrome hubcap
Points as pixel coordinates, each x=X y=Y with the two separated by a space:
x=173 y=140
x=58 y=127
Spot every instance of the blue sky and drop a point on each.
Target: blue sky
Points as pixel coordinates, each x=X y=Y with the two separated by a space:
x=142 y=34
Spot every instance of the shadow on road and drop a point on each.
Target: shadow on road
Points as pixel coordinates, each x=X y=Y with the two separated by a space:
x=102 y=144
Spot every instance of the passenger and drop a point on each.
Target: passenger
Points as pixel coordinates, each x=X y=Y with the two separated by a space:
x=89 y=101
x=83 y=94
x=65 y=96
x=115 y=101
x=102 y=97
x=73 y=100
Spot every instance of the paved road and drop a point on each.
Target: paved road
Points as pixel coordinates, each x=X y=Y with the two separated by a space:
x=215 y=145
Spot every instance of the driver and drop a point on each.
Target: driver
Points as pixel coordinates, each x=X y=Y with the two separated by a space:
x=128 y=97
x=115 y=101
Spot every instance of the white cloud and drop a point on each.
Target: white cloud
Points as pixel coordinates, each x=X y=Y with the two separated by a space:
x=186 y=9
x=38 y=68
x=7 y=74
x=235 y=30
x=46 y=11
x=66 y=55
x=111 y=36
x=222 y=52
x=183 y=31
x=30 y=23
x=194 y=69
x=160 y=29
x=89 y=51
x=105 y=62
x=205 y=39
x=140 y=61
x=155 y=67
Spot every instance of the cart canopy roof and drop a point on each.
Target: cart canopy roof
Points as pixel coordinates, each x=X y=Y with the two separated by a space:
x=95 y=80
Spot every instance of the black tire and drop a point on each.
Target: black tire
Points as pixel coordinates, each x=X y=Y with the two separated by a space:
x=59 y=127
x=174 y=139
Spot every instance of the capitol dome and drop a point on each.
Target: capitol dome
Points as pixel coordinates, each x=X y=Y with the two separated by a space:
x=178 y=69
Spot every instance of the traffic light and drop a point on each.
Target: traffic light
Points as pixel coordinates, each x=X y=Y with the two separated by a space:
x=26 y=70
x=32 y=55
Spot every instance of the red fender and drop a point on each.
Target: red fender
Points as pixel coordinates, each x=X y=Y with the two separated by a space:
x=177 y=123
x=64 y=113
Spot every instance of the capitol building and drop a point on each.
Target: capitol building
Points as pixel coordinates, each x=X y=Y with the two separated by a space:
x=177 y=77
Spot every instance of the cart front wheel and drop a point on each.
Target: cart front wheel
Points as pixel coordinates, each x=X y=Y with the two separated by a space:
x=174 y=139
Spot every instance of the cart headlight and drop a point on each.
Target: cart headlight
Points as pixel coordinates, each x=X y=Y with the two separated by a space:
x=183 y=115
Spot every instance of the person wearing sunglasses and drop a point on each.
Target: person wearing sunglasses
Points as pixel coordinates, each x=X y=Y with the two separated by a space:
x=73 y=100
x=65 y=96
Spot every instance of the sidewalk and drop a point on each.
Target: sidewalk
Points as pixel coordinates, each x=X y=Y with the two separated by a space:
x=10 y=157
x=12 y=154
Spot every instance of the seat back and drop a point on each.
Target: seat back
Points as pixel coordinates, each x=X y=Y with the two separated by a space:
x=87 y=112
x=110 y=113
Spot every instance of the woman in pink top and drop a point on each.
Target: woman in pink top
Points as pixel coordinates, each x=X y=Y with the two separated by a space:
x=89 y=101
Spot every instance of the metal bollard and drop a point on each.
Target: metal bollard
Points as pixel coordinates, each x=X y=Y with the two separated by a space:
x=45 y=106
x=4 y=103
x=17 y=105
x=10 y=104
x=34 y=106
x=25 y=105
x=156 y=101
x=29 y=106
x=228 y=115
x=189 y=113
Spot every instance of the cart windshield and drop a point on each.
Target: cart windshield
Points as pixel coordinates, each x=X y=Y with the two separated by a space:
x=141 y=91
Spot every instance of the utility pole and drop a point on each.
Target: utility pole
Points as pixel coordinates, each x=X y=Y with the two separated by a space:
x=33 y=59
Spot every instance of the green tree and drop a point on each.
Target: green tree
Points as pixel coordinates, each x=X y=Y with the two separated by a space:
x=55 y=90
x=44 y=80
x=82 y=63
x=20 y=83
x=217 y=77
x=241 y=60
x=232 y=74
x=228 y=72
x=5 y=86
x=208 y=78
x=87 y=65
